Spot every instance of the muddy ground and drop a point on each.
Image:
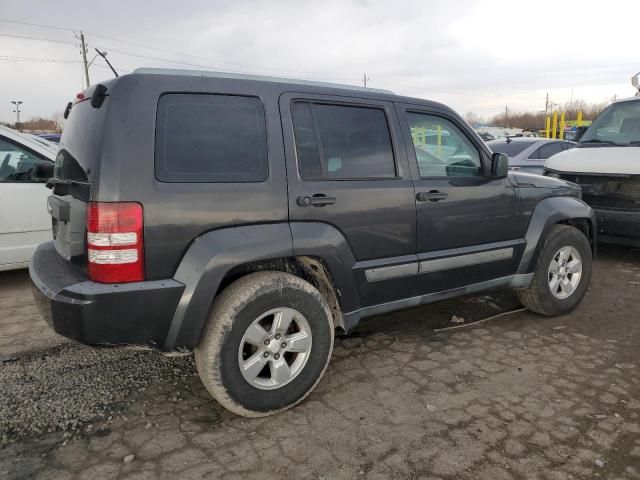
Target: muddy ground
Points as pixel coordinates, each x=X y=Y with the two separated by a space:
x=520 y=397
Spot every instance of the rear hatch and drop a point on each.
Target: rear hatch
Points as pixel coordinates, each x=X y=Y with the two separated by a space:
x=75 y=173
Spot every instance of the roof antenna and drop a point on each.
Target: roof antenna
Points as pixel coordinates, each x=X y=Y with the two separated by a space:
x=104 y=55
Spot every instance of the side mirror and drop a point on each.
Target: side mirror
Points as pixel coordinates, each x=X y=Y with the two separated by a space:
x=42 y=171
x=580 y=131
x=499 y=165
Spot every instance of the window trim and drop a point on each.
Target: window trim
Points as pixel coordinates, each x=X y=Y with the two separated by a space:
x=315 y=101
x=208 y=182
x=408 y=110
x=33 y=152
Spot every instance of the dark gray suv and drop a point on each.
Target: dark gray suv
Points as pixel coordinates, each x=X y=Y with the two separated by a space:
x=249 y=218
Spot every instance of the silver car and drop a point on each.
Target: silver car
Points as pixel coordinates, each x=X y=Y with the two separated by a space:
x=529 y=153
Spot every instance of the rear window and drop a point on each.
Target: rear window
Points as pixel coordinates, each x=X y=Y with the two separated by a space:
x=210 y=138
x=81 y=143
x=510 y=149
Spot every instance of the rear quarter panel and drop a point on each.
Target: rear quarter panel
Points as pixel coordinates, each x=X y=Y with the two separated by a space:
x=177 y=213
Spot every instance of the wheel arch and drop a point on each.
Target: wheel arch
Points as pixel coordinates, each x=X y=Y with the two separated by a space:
x=556 y=211
x=217 y=258
x=312 y=269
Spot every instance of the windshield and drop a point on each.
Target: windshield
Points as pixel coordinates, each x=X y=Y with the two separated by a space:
x=619 y=124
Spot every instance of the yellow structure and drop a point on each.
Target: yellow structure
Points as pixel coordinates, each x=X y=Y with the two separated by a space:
x=547 y=127
x=553 y=129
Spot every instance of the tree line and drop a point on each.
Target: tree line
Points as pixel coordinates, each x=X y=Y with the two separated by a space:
x=53 y=124
x=536 y=120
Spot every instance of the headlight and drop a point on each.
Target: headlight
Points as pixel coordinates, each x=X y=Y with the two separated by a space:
x=547 y=173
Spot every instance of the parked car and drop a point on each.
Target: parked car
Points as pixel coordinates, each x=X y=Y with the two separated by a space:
x=606 y=164
x=486 y=136
x=529 y=153
x=249 y=218
x=52 y=137
x=25 y=164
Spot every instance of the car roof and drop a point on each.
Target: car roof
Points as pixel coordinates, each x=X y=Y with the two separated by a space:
x=261 y=78
x=40 y=146
x=307 y=86
x=525 y=140
x=629 y=99
x=514 y=140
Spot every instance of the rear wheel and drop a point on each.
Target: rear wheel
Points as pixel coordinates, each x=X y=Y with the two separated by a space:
x=562 y=273
x=266 y=345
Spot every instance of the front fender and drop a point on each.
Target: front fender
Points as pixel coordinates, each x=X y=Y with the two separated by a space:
x=205 y=265
x=546 y=214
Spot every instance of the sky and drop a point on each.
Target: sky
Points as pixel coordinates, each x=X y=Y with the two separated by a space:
x=478 y=56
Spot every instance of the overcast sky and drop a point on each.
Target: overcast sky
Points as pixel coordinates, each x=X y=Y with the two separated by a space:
x=473 y=55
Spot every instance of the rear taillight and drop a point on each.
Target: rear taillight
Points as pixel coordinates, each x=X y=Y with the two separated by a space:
x=114 y=240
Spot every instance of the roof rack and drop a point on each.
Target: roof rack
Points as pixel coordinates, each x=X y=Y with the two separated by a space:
x=261 y=78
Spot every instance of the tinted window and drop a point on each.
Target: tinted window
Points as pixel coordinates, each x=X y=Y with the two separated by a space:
x=340 y=142
x=511 y=149
x=17 y=164
x=547 y=150
x=442 y=150
x=210 y=138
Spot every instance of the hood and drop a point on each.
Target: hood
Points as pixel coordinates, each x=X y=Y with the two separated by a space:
x=531 y=180
x=602 y=160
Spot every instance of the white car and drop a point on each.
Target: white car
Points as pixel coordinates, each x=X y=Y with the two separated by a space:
x=26 y=162
x=606 y=164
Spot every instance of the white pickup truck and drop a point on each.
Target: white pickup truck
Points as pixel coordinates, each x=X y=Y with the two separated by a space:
x=26 y=162
x=606 y=164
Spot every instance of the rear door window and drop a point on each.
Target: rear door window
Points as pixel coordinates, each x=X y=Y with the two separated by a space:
x=342 y=142
x=210 y=138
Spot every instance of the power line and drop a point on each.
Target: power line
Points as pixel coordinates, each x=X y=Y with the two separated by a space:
x=171 y=52
x=11 y=58
x=25 y=37
x=459 y=92
x=16 y=22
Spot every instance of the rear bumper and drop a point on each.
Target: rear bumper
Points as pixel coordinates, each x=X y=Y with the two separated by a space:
x=618 y=226
x=101 y=314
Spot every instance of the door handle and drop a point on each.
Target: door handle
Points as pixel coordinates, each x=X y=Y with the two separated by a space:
x=432 y=196
x=317 y=200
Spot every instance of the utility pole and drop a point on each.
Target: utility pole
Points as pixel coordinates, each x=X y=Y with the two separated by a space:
x=506 y=115
x=365 y=79
x=546 y=105
x=17 y=104
x=83 y=51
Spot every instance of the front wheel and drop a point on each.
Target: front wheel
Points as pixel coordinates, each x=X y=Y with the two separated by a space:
x=562 y=273
x=266 y=345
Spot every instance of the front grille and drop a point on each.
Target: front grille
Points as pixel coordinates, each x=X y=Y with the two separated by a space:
x=609 y=192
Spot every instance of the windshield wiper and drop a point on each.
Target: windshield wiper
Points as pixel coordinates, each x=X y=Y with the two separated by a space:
x=602 y=142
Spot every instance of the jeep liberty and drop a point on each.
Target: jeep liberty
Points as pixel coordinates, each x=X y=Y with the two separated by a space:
x=249 y=218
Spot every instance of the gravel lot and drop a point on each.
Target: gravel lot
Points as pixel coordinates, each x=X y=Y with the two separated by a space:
x=518 y=397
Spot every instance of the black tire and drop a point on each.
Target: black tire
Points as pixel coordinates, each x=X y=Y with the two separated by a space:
x=233 y=313
x=538 y=297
